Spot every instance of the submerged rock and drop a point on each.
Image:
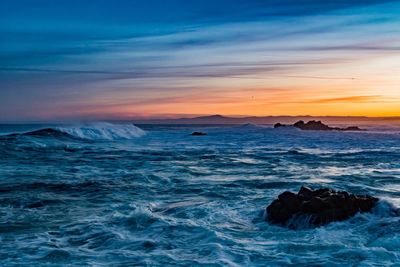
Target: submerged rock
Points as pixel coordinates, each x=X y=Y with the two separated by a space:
x=317 y=207
x=198 y=133
x=317 y=126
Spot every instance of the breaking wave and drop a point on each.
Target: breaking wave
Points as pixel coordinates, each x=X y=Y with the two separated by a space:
x=104 y=131
x=93 y=131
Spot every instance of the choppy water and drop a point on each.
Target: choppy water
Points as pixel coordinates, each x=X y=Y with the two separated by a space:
x=114 y=195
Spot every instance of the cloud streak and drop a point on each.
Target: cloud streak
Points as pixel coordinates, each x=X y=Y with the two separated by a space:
x=350 y=99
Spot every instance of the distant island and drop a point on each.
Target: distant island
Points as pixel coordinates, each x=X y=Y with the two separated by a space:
x=317 y=126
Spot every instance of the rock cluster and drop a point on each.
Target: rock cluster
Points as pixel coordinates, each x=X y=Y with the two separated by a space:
x=320 y=206
x=198 y=133
x=317 y=126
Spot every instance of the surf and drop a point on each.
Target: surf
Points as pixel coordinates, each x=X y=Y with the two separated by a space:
x=88 y=131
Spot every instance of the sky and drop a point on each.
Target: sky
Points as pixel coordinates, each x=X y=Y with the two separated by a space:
x=73 y=59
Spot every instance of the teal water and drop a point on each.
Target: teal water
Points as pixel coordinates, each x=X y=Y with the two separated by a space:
x=117 y=195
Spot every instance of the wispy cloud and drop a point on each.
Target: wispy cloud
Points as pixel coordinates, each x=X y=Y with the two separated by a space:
x=73 y=54
x=350 y=99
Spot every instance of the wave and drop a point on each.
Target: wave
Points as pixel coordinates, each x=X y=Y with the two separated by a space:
x=104 y=131
x=92 y=131
x=50 y=132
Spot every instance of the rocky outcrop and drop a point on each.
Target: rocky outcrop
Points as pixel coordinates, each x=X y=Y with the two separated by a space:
x=198 y=133
x=317 y=207
x=317 y=126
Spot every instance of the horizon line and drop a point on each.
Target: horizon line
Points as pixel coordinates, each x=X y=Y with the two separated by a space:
x=190 y=117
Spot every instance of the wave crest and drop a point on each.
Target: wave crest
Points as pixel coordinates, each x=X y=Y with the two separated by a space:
x=92 y=131
x=103 y=131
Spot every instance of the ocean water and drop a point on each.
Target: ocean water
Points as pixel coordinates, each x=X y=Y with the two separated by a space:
x=118 y=195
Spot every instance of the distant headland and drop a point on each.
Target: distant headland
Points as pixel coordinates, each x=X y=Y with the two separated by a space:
x=220 y=119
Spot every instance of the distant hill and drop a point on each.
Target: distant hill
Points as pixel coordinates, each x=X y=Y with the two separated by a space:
x=219 y=119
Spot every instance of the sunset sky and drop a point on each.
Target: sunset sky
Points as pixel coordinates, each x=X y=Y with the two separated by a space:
x=71 y=59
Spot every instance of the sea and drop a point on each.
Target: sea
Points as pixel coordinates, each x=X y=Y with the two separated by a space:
x=116 y=194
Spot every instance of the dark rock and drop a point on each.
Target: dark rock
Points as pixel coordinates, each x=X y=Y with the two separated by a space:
x=322 y=191
x=336 y=201
x=305 y=193
x=317 y=126
x=290 y=201
x=330 y=215
x=36 y=205
x=149 y=245
x=278 y=212
x=352 y=128
x=314 y=205
x=277 y=125
x=314 y=126
x=365 y=203
x=198 y=133
x=299 y=124
x=321 y=206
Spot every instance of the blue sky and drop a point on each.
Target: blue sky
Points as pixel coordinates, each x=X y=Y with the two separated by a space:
x=122 y=59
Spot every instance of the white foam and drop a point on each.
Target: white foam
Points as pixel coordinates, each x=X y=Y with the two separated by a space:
x=103 y=131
